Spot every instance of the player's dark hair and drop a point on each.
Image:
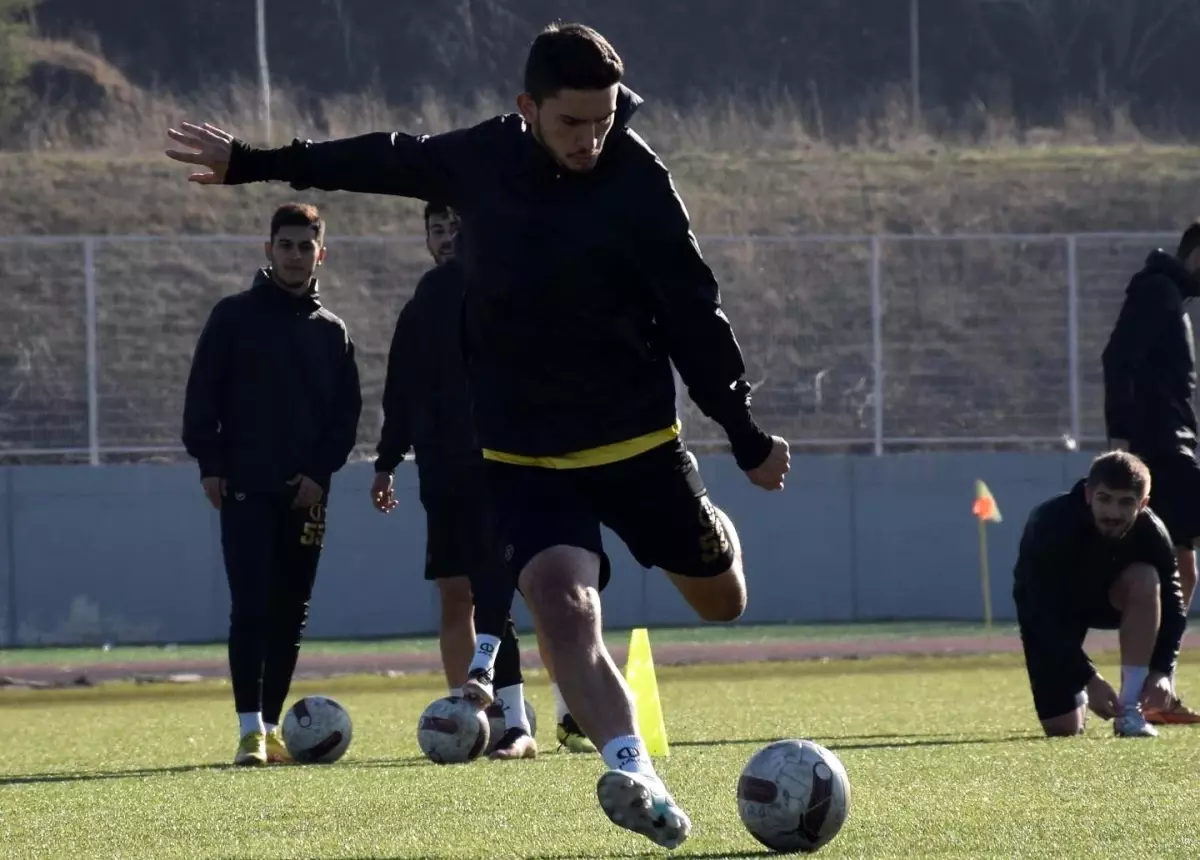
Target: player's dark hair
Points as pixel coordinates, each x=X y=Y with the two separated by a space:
x=1189 y=241
x=436 y=207
x=299 y=215
x=570 y=57
x=1122 y=471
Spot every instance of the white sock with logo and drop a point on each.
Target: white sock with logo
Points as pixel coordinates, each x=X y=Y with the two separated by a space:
x=512 y=701
x=628 y=753
x=485 y=652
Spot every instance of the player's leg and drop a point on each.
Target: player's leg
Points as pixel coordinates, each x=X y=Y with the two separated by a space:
x=248 y=548
x=301 y=536
x=1135 y=595
x=1175 y=497
x=456 y=627
x=570 y=735
x=1061 y=708
x=552 y=538
x=518 y=741
x=657 y=503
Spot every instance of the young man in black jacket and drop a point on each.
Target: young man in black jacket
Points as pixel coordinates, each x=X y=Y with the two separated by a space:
x=271 y=412
x=1098 y=557
x=584 y=283
x=1149 y=385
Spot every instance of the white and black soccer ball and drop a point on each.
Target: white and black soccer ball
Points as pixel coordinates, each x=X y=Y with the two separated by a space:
x=794 y=796
x=317 y=730
x=497 y=725
x=453 y=731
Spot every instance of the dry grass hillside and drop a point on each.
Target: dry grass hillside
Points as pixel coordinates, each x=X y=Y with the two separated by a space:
x=973 y=334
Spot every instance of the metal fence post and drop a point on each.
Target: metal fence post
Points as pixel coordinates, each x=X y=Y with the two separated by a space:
x=89 y=287
x=1073 y=383
x=877 y=339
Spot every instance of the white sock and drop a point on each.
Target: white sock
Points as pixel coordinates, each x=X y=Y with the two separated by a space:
x=560 y=704
x=512 y=701
x=627 y=753
x=1133 y=678
x=1172 y=676
x=251 y=722
x=456 y=691
x=270 y=727
x=485 y=652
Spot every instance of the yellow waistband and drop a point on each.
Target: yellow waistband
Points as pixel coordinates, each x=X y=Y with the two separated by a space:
x=605 y=454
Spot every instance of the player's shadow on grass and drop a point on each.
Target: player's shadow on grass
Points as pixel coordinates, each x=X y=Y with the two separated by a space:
x=867 y=742
x=94 y=775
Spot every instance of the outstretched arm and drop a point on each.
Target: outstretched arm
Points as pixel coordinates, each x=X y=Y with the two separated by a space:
x=427 y=167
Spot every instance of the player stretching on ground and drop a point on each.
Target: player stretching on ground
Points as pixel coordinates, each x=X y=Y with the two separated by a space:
x=1098 y=557
x=1149 y=383
x=271 y=413
x=584 y=282
x=426 y=406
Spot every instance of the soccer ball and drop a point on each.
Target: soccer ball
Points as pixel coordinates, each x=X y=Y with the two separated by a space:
x=497 y=726
x=317 y=730
x=793 y=795
x=453 y=731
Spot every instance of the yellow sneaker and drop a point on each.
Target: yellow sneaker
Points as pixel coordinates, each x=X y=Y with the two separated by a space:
x=572 y=737
x=252 y=750
x=277 y=752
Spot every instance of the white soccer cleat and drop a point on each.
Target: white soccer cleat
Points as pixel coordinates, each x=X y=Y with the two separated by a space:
x=478 y=688
x=641 y=803
x=1132 y=724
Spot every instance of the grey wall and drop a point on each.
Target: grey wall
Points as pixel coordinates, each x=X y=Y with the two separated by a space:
x=131 y=552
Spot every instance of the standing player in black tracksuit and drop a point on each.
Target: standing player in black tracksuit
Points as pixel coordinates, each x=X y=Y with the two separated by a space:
x=427 y=407
x=584 y=284
x=1097 y=557
x=271 y=413
x=1149 y=385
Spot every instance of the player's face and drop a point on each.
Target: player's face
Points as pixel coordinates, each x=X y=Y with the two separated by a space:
x=439 y=236
x=573 y=124
x=294 y=255
x=1114 y=510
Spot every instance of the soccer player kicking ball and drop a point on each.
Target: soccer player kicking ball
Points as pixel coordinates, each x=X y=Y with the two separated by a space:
x=584 y=284
x=1098 y=557
x=271 y=412
x=1149 y=387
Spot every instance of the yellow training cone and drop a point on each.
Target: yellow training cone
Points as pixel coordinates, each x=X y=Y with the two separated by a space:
x=639 y=674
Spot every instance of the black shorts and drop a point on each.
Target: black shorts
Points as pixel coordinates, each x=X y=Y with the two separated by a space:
x=1055 y=694
x=1175 y=493
x=655 y=502
x=460 y=537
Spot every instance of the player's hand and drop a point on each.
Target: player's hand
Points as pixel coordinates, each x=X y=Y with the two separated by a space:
x=214 y=489
x=1103 y=699
x=308 y=491
x=1157 y=692
x=382 y=492
x=212 y=149
x=769 y=474
x=1118 y=444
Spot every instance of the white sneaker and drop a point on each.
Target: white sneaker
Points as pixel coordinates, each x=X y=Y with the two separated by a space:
x=1132 y=724
x=642 y=804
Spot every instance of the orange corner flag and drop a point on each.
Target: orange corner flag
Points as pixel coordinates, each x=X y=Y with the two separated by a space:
x=985 y=504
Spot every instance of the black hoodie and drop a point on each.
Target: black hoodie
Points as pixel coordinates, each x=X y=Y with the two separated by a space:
x=273 y=390
x=1149 y=363
x=581 y=287
x=1061 y=558
x=426 y=405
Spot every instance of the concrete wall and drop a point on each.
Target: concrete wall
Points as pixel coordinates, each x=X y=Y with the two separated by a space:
x=130 y=553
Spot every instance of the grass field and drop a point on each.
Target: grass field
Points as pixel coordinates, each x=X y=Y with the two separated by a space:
x=943 y=755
